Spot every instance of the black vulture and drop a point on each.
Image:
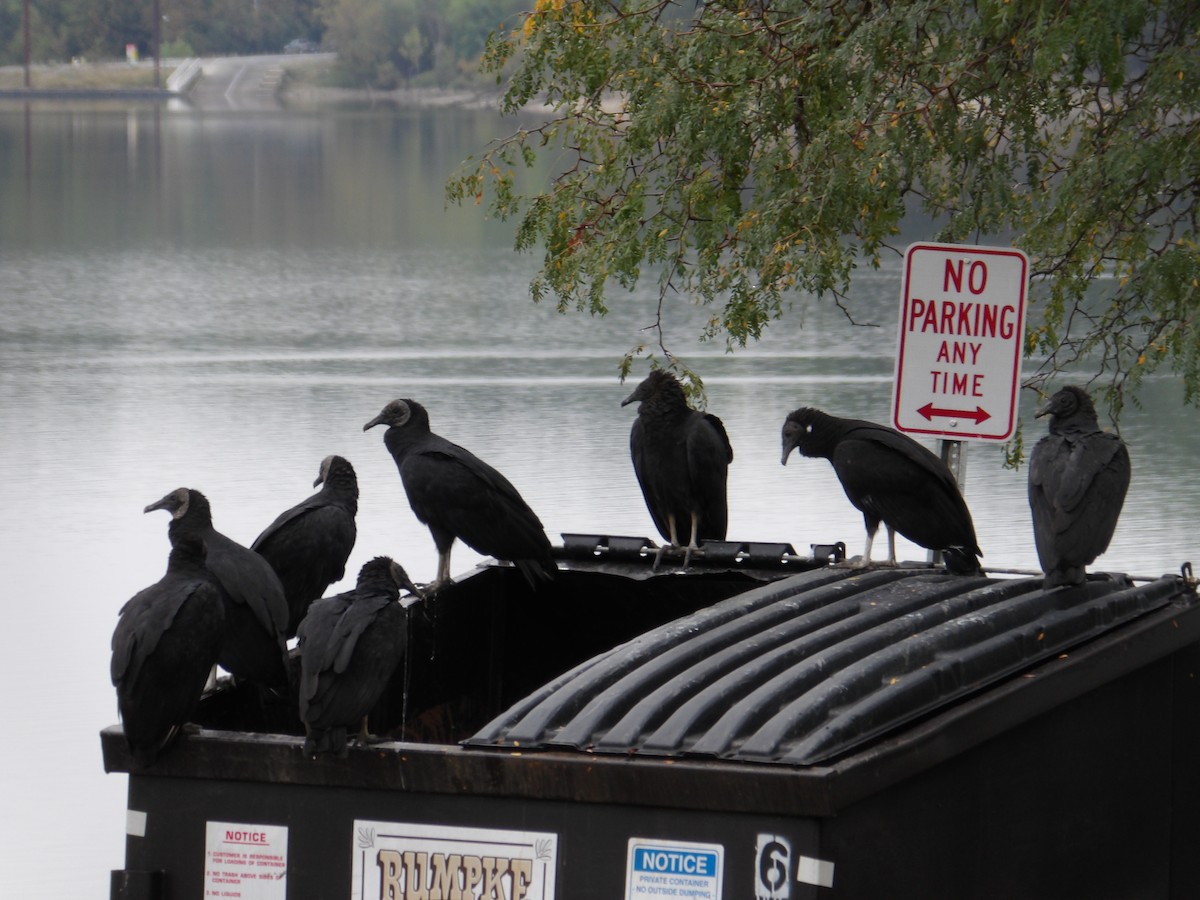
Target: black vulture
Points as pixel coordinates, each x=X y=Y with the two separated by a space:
x=164 y=646
x=308 y=545
x=891 y=479
x=1078 y=476
x=460 y=496
x=256 y=610
x=681 y=457
x=350 y=645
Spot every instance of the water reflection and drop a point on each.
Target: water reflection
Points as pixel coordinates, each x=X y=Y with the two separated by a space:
x=221 y=301
x=138 y=174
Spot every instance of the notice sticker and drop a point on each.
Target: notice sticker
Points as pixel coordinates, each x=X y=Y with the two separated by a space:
x=409 y=860
x=673 y=869
x=245 y=862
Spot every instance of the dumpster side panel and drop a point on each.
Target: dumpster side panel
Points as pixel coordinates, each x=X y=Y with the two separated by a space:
x=1073 y=804
x=1185 y=789
x=593 y=841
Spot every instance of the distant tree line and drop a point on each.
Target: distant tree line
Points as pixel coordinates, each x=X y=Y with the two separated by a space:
x=384 y=43
x=63 y=30
x=379 y=42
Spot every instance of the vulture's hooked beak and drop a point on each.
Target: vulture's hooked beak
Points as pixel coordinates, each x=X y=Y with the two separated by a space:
x=789 y=444
x=168 y=503
x=402 y=580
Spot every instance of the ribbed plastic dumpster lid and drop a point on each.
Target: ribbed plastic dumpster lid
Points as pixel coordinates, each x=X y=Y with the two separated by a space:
x=801 y=670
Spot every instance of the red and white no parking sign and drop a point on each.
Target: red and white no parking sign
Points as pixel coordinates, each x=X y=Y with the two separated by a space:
x=962 y=329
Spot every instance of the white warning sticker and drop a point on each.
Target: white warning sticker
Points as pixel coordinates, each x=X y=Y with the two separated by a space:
x=245 y=862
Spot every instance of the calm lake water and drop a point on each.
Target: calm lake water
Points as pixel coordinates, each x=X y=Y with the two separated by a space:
x=219 y=301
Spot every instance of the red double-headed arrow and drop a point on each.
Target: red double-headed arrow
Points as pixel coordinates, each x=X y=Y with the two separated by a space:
x=977 y=415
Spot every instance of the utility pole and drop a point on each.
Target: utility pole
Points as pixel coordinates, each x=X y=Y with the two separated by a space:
x=157 y=43
x=28 y=47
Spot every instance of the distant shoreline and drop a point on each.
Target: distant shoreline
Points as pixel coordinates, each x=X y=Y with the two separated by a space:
x=302 y=97
x=308 y=96
x=87 y=94
x=119 y=80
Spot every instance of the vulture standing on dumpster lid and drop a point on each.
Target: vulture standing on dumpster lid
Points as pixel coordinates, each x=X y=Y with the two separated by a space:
x=681 y=457
x=164 y=646
x=256 y=612
x=1078 y=476
x=308 y=545
x=460 y=496
x=350 y=645
x=891 y=479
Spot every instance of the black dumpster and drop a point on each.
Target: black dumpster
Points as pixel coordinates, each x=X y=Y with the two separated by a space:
x=758 y=725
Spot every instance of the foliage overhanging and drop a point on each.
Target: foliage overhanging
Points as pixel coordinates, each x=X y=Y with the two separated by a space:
x=746 y=149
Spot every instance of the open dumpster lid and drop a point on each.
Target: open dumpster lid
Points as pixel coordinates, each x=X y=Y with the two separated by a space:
x=803 y=670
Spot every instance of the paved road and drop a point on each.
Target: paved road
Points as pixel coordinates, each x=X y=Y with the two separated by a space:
x=244 y=82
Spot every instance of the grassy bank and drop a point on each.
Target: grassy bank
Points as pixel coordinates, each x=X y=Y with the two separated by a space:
x=116 y=75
